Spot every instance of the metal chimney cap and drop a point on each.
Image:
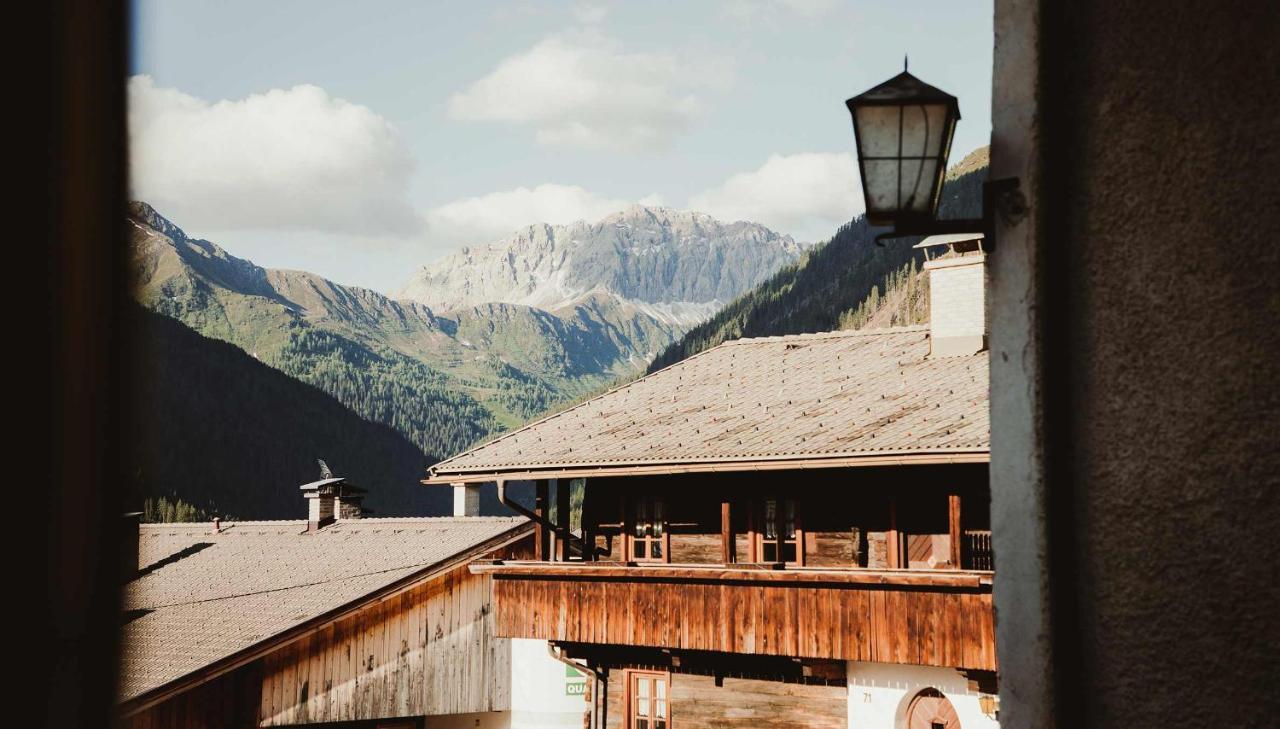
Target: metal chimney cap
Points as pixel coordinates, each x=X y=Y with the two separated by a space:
x=948 y=239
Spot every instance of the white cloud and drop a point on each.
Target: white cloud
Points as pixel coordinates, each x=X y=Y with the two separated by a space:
x=486 y=218
x=287 y=159
x=582 y=91
x=807 y=195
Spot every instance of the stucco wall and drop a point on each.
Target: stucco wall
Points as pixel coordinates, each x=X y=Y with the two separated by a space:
x=539 y=695
x=1160 y=282
x=879 y=694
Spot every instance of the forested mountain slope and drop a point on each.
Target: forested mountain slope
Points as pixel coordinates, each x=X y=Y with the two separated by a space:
x=832 y=280
x=224 y=432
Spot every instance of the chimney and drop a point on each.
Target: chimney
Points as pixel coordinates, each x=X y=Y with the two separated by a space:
x=320 y=503
x=958 y=323
x=349 y=500
x=466 y=499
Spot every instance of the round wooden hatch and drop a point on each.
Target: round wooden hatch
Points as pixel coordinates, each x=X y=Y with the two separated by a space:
x=929 y=709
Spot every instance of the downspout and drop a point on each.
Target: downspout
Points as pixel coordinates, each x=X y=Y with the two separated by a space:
x=595 y=679
x=522 y=510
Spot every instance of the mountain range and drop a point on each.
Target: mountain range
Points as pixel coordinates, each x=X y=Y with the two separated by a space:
x=676 y=266
x=480 y=342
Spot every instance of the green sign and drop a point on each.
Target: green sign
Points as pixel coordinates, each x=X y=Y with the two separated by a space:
x=575 y=682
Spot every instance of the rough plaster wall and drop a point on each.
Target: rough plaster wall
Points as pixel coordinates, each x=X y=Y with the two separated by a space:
x=1160 y=166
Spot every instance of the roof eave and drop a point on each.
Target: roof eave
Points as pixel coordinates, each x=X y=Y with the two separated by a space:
x=651 y=468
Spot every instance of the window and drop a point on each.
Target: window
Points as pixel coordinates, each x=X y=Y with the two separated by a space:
x=779 y=537
x=648 y=702
x=648 y=531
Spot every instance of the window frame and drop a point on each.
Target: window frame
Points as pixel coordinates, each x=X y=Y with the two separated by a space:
x=758 y=527
x=662 y=678
x=659 y=522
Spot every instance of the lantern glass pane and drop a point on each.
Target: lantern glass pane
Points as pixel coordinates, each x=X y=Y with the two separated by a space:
x=880 y=183
x=918 y=178
x=923 y=129
x=878 y=131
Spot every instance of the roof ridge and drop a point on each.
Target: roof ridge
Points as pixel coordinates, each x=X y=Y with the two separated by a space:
x=833 y=334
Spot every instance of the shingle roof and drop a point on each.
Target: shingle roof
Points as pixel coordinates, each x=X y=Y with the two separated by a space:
x=201 y=597
x=805 y=396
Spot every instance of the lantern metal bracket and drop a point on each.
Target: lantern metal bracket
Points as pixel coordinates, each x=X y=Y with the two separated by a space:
x=1001 y=197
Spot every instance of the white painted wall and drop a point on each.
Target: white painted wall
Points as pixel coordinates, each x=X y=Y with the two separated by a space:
x=879 y=694
x=538 y=696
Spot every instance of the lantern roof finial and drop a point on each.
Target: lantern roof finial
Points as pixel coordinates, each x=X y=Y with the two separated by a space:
x=904 y=63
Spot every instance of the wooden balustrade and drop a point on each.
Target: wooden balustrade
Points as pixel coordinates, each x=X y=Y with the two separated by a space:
x=932 y=618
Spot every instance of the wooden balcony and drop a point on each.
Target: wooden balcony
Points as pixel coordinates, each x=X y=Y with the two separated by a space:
x=931 y=618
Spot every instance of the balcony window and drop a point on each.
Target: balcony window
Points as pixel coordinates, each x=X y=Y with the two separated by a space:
x=779 y=535
x=648 y=531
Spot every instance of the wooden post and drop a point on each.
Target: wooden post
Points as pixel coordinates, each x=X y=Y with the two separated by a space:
x=562 y=517
x=892 y=540
x=726 y=532
x=953 y=527
x=624 y=518
x=540 y=551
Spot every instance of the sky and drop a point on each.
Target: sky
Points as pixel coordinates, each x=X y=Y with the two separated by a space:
x=363 y=140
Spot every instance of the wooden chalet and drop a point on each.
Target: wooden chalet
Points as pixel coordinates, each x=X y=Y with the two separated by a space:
x=785 y=531
x=337 y=620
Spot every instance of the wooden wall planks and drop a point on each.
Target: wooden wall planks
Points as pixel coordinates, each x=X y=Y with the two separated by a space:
x=929 y=626
x=425 y=651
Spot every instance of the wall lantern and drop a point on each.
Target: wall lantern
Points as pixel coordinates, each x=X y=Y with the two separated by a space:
x=903 y=129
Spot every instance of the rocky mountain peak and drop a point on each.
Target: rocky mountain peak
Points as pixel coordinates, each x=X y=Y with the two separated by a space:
x=146 y=215
x=677 y=264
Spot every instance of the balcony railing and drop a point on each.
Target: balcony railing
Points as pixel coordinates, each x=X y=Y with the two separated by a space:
x=921 y=617
x=976 y=550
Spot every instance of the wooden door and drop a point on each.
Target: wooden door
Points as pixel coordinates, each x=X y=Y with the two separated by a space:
x=931 y=710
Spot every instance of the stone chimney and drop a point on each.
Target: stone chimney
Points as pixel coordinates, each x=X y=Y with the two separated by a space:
x=349 y=498
x=958 y=323
x=331 y=499
x=321 y=498
x=466 y=499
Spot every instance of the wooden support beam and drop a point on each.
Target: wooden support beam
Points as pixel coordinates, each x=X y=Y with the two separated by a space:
x=540 y=535
x=562 y=518
x=726 y=532
x=953 y=527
